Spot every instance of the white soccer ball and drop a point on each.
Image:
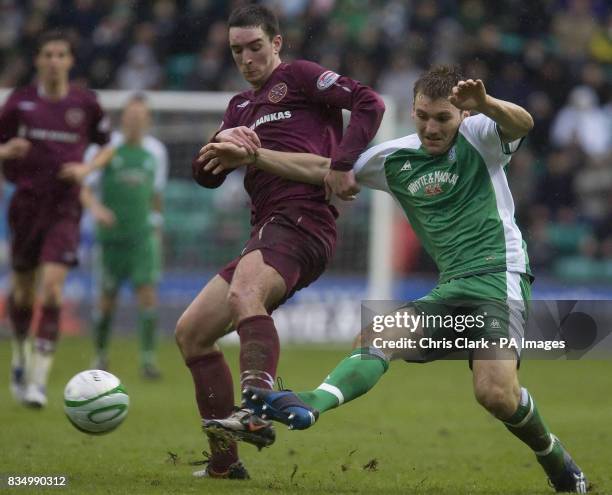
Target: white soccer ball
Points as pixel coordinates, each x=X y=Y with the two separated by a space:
x=95 y=401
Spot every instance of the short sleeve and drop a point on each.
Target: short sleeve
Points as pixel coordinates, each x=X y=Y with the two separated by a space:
x=370 y=168
x=93 y=179
x=159 y=151
x=99 y=130
x=484 y=134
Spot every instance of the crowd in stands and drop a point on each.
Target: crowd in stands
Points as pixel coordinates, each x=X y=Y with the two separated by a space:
x=552 y=56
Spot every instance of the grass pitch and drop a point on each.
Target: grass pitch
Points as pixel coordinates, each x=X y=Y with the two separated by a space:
x=419 y=431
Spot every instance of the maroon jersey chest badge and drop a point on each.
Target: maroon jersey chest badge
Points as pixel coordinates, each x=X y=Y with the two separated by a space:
x=278 y=92
x=75 y=117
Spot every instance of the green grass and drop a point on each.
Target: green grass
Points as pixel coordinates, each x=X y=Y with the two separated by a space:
x=421 y=425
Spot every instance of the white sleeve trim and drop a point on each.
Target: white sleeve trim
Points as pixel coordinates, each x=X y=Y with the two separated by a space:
x=159 y=151
x=370 y=166
x=483 y=133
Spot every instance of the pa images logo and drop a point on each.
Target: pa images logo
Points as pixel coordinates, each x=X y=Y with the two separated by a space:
x=277 y=93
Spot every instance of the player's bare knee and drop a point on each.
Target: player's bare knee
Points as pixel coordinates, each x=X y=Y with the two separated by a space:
x=52 y=293
x=147 y=305
x=24 y=296
x=193 y=337
x=147 y=297
x=106 y=307
x=496 y=399
x=183 y=332
x=23 y=289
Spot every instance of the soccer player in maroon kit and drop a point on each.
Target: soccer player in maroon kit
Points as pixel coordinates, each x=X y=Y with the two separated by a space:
x=291 y=107
x=45 y=129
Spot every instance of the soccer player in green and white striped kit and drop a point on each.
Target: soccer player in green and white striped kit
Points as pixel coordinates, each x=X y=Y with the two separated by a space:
x=127 y=208
x=449 y=179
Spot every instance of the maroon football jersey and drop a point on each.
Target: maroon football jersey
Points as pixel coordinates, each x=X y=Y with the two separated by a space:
x=299 y=109
x=59 y=132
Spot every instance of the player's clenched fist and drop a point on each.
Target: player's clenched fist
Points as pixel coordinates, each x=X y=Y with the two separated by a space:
x=240 y=136
x=342 y=184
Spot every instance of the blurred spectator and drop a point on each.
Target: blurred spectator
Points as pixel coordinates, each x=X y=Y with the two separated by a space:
x=205 y=75
x=141 y=69
x=583 y=122
x=542 y=111
x=601 y=42
x=83 y=15
x=397 y=83
x=512 y=84
x=573 y=29
x=593 y=185
x=11 y=22
x=556 y=186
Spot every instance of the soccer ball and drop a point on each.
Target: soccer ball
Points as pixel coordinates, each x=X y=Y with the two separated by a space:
x=95 y=401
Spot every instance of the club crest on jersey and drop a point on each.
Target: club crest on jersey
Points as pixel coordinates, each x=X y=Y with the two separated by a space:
x=452 y=155
x=277 y=93
x=74 y=117
x=326 y=80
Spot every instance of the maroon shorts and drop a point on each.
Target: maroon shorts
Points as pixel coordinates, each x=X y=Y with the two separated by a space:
x=42 y=231
x=297 y=242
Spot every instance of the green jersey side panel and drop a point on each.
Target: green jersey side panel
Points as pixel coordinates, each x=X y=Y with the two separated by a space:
x=459 y=203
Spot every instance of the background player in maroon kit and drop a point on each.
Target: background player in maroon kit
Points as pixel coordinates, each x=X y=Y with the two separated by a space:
x=292 y=107
x=46 y=128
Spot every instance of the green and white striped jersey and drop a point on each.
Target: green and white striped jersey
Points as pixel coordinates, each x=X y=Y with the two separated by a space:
x=458 y=203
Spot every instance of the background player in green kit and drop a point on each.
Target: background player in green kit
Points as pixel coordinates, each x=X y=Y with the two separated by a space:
x=449 y=179
x=127 y=208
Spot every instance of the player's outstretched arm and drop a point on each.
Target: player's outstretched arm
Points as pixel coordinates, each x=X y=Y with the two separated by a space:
x=299 y=167
x=76 y=172
x=513 y=121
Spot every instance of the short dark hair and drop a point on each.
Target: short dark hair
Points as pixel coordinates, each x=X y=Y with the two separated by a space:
x=54 y=35
x=255 y=16
x=438 y=81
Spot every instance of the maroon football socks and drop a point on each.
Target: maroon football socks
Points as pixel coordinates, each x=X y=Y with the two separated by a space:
x=215 y=397
x=20 y=317
x=259 y=351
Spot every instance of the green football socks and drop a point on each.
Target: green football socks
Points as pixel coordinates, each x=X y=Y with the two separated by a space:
x=102 y=331
x=147 y=327
x=527 y=424
x=354 y=376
